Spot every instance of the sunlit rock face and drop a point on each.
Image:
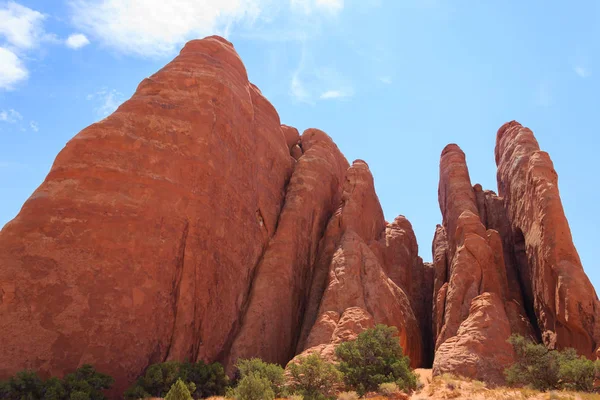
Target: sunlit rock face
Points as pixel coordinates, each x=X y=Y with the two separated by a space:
x=512 y=250
x=191 y=224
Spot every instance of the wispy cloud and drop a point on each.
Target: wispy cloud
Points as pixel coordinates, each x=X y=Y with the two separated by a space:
x=311 y=6
x=15 y=121
x=77 y=41
x=386 y=79
x=582 y=71
x=107 y=101
x=310 y=82
x=335 y=94
x=11 y=116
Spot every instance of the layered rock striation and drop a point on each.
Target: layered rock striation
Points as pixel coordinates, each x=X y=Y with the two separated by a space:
x=192 y=225
x=506 y=261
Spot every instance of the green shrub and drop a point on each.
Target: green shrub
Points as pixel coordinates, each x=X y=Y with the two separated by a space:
x=314 y=378
x=25 y=385
x=87 y=380
x=83 y=384
x=375 y=357
x=202 y=380
x=253 y=386
x=272 y=372
x=388 y=388
x=577 y=373
x=296 y=397
x=545 y=369
x=209 y=379
x=179 y=391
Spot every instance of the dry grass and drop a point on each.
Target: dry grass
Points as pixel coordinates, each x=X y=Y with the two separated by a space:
x=452 y=387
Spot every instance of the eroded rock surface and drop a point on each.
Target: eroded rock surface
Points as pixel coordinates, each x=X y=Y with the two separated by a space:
x=362 y=253
x=563 y=298
x=191 y=224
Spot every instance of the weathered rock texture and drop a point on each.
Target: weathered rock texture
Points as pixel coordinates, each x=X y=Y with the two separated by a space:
x=506 y=263
x=362 y=276
x=563 y=299
x=190 y=224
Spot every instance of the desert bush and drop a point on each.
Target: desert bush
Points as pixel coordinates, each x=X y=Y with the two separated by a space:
x=388 y=388
x=208 y=379
x=83 y=384
x=314 y=378
x=545 y=369
x=272 y=372
x=375 y=357
x=179 y=391
x=202 y=380
x=296 y=397
x=348 y=396
x=252 y=386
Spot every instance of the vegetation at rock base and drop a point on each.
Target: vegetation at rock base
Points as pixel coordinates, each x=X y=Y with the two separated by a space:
x=545 y=369
x=179 y=391
x=83 y=384
x=252 y=387
x=202 y=380
x=314 y=378
x=273 y=373
x=375 y=357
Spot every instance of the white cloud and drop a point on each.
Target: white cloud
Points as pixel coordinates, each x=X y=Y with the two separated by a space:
x=298 y=91
x=333 y=6
x=155 y=28
x=386 y=79
x=310 y=6
x=77 y=41
x=11 y=69
x=11 y=116
x=21 y=26
x=34 y=126
x=335 y=94
x=582 y=71
x=108 y=101
x=21 y=30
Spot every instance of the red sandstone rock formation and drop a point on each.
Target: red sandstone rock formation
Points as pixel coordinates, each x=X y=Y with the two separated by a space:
x=277 y=299
x=565 y=302
x=479 y=349
x=525 y=261
x=362 y=253
x=469 y=263
x=190 y=224
x=143 y=241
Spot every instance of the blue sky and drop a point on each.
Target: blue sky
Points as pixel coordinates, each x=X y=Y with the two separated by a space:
x=391 y=81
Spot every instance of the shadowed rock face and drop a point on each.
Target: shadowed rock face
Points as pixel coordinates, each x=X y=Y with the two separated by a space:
x=190 y=224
